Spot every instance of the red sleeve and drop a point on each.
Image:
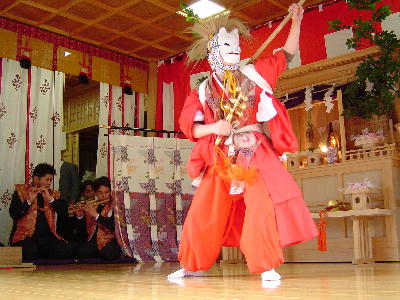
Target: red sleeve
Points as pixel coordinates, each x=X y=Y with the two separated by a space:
x=282 y=135
x=186 y=120
x=270 y=68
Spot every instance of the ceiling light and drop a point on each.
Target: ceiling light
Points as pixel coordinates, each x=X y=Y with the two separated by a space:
x=205 y=8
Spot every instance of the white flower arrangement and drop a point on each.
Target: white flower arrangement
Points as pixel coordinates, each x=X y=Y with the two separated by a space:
x=368 y=139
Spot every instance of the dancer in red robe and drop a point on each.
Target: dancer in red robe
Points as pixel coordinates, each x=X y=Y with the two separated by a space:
x=245 y=197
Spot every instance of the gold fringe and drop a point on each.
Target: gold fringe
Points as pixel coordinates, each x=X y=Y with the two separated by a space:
x=106 y=71
x=42 y=56
x=69 y=64
x=8 y=44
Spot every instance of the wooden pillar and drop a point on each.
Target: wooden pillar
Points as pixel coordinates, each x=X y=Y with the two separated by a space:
x=362 y=241
x=152 y=92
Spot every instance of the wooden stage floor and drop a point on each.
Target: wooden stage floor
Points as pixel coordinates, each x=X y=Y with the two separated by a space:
x=309 y=281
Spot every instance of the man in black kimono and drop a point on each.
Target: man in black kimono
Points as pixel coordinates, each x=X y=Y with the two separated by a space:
x=34 y=208
x=96 y=226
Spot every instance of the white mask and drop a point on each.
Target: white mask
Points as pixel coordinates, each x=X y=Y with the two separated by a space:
x=229 y=48
x=224 y=51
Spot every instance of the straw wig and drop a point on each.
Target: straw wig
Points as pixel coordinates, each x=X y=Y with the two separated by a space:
x=207 y=28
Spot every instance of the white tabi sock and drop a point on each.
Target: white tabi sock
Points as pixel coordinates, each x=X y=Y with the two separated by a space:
x=183 y=273
x=270 y=275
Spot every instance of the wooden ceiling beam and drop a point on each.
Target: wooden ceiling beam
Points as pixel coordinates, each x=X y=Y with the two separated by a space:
x=56 y=11
x=51 y=10
x=11 y=6
x=243 y=16
x=111 y=11
x=145 y=22
x=163 y=6
x=170 y=52
x=121 y=34
x=278 y=4
x=23 y=20
x=246 y=4
x=155 y=45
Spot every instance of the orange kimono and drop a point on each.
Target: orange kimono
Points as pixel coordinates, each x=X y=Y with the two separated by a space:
x=271 y=212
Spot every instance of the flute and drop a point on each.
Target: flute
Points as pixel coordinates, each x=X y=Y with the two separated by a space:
x=83 y=204
x=36 y=189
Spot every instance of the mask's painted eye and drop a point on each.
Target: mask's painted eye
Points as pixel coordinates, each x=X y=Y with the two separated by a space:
x=226 y=44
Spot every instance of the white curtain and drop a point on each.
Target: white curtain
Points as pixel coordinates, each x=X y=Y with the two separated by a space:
x=120 y=104
x=102 y=145
x=141 y=110
x=168 y=106
x=46 y=98
x=13 y=97
x=46 y=111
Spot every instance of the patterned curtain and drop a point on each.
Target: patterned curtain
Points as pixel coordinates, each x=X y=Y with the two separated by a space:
x=33 y=97
x=153 y=194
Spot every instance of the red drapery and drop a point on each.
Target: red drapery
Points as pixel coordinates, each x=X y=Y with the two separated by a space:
x=178 y=73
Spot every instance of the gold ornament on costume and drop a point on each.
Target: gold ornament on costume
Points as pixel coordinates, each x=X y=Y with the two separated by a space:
x=234 y=106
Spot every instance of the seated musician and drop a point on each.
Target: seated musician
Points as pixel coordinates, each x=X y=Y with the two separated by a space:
x=70 y=230
x=96 y=223
x=34 y=208
x=87 y=190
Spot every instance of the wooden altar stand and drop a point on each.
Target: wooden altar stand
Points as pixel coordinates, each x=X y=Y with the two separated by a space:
x=11 y=258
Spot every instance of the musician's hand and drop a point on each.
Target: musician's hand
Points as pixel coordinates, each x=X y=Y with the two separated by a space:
x=297 y=11
x=91 y=211
x=32 y=197
x=80 y=213
x=222 y=128
x=46 y=195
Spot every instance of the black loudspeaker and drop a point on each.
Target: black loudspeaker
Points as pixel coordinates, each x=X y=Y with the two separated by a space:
x=128 y=87
x=83 y=76
x=25 y=62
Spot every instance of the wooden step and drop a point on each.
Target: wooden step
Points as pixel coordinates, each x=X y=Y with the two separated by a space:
x=10 y=256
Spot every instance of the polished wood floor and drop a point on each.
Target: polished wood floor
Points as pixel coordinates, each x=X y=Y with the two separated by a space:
x=148 y=281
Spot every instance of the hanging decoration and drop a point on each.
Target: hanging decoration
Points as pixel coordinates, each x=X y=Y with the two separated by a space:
x=310 y=131
x=328 y=99
x=83 y=74
x=318 y=94
x=308 y=97
x=25 y=61
x=127 y=84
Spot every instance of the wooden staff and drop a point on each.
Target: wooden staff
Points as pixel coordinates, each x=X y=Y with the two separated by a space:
x=273 y=35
